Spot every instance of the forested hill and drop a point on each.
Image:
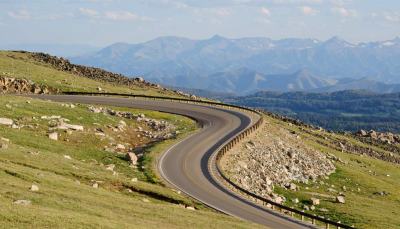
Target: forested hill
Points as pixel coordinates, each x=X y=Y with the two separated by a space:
x=344 y=110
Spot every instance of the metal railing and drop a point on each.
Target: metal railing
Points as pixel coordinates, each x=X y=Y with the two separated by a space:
x=228 y=146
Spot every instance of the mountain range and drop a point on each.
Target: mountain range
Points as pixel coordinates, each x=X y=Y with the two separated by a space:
x=248 y=65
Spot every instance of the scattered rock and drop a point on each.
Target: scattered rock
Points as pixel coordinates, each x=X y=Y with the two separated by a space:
x=65 y=126
x=340 y=199
x=373 y=134
x=50 y=117
x=362 y=133
x=278 y=200
x=134 y=179
x=23 y=202
x=315 y=201
x=110 y=167
x=67 y=157
x=6 y=121
x=15 y=126
x=122 y=123
x=4 y=143
x=382 y=193
x=95 y=185
x=120 y=147
x=132 y=158
x=53 y=136
x=146 y=200
x=332 y=190
x=190 y=208
x=34 y=188
x=291 y=186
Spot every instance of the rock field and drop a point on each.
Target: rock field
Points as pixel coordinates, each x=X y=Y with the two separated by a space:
x=275 y=157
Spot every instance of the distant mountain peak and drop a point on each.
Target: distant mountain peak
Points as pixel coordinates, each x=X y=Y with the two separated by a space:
x=303 y=71
x=338 y=42
x=218 y=38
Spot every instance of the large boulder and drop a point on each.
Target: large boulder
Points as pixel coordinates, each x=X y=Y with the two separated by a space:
x=315 y=201
x=66 y=126
x=132 y=158
x=362 y=133
x=6 y=121
x=53 y=136
x=373 y=134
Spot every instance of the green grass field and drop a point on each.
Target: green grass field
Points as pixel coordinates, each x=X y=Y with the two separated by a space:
x=66 y=197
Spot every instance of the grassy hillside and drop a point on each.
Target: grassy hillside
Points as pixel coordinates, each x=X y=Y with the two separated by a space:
x=371 y=186
x=67 y=172
x=84 y=180
x=24 y=66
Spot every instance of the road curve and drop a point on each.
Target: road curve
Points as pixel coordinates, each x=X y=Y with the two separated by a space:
x=186 y=165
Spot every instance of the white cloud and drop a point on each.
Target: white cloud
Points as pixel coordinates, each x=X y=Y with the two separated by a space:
x=20 y=14
x=273 y=2
x=88 y=12
x=265 y=11
x=121 y=16
x=392 y=16
x=306 y=10
x=344 y=12
x=222 y=12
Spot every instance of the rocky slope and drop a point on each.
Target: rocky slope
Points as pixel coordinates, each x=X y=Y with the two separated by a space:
x=275 y=157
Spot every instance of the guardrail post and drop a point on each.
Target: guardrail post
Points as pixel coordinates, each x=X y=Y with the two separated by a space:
x=327 y=226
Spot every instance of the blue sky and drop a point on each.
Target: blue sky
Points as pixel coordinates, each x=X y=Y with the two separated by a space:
x=102 y=22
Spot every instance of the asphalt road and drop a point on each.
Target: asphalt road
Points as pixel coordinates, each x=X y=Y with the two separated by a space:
x=188 y=165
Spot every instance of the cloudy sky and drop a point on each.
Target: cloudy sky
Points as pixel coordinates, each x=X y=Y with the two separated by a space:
x=102 y=22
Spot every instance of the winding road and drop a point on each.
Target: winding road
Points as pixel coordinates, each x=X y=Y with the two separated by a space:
x=190 y=164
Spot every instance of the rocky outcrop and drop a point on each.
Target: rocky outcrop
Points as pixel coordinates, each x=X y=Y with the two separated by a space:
x=13 y=85
x=89 y=72
x=385 y=138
